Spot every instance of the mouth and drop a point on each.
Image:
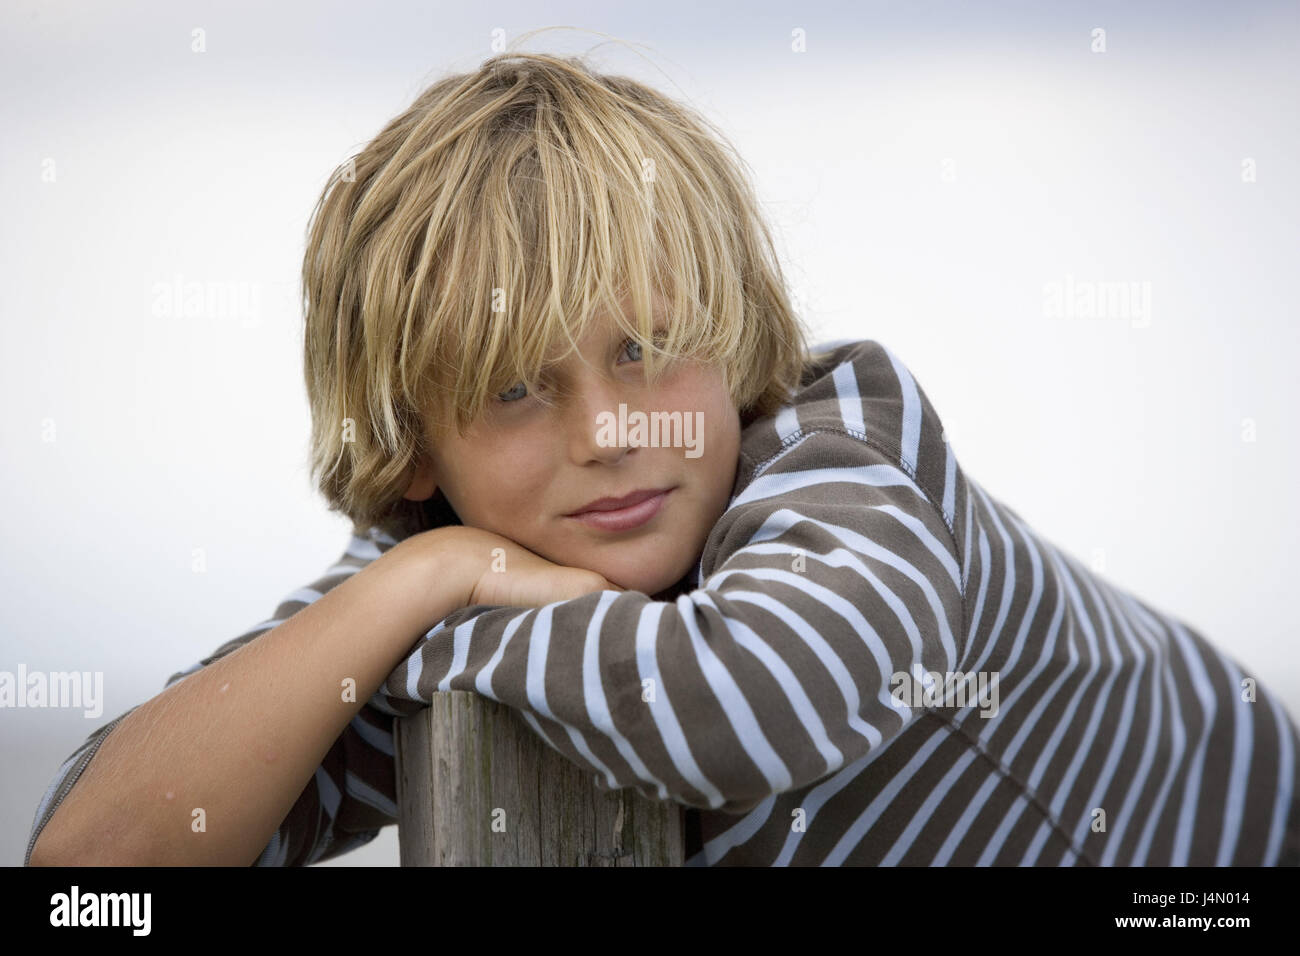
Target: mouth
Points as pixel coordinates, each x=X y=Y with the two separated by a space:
x=617 y=504
x=620 y=514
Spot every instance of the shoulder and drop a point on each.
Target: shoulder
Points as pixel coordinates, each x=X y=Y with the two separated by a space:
x=862 y=389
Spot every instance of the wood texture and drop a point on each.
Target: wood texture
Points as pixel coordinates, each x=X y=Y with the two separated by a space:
x=476 y=786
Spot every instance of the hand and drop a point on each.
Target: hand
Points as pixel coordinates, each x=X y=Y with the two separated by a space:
x=517 y=577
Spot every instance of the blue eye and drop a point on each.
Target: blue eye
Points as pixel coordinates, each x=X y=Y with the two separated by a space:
x=659 y=336
x=502 y=396
x=519 y=390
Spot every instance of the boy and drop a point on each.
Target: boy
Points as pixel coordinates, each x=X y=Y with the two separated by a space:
x=613 y=489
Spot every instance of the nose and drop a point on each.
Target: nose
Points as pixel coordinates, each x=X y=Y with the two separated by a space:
x=591 y=420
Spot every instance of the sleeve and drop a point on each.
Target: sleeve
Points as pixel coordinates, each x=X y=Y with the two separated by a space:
x=825 y=577
x=352 y=794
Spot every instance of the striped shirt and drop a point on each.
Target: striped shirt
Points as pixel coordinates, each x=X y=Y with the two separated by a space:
x=873 y=661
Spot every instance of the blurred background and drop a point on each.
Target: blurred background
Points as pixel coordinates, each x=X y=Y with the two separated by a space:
x=1074 y=222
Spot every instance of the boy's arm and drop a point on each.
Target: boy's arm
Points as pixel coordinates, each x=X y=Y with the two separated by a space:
x=835 y=571
x=247 y=738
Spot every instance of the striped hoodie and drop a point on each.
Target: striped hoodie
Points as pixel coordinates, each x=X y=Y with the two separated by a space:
x=873 y=661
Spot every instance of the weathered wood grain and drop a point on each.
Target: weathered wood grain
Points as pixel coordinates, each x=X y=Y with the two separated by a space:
x=477 y=787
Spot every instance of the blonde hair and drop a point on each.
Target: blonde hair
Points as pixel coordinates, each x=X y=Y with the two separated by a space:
x=477 y=234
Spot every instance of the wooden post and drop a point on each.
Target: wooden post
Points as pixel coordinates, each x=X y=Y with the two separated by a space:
x=467 y=761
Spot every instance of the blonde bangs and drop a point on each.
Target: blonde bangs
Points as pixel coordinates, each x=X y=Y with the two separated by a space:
x=489 y=225
x=581 y=209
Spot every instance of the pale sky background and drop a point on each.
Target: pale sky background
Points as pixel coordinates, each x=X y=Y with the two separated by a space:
x=930 y=169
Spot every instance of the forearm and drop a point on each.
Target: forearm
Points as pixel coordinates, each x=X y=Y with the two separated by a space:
x=241 y=738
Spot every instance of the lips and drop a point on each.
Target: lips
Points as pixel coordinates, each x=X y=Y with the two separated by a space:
x=616 y=504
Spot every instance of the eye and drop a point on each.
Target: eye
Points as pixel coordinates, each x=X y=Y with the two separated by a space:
x=506 y=396
x=634 y=346
x=517 y=392
x=513 y=394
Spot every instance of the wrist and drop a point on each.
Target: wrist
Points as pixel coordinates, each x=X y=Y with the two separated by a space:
x=446 y=566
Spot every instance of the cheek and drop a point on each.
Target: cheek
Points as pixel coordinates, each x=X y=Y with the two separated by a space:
x=720 y=420
x=703 y=391
x=486 y=478
x=510 y=479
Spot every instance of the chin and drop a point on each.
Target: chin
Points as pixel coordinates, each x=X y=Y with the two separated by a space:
x=637 y=580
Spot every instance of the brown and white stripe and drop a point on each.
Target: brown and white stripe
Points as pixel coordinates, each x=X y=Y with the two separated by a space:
x=854 y=548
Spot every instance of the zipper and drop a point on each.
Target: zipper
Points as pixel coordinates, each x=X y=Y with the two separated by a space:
x=69 y=784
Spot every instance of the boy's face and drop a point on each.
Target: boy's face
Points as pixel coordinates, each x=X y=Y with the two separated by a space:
x=523 y=469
